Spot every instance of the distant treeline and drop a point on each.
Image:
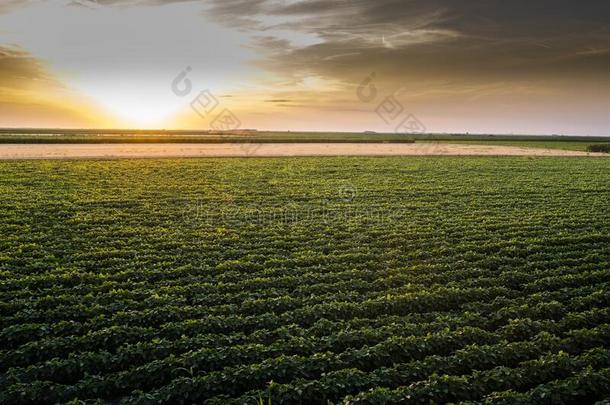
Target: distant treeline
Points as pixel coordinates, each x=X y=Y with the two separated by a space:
x=99 y=136
x=601 y=147
x=203 y=139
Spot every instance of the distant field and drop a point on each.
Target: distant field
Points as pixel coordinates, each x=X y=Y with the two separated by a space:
x=563 y=145
x=307 y=280
x=179 y=137
x=267 y=149
x=115 y=136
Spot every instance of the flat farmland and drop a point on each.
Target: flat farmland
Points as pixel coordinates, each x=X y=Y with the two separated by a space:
x=316 y=280
x=184 y=150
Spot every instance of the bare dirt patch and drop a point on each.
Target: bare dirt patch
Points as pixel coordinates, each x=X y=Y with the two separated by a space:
x=177 y=150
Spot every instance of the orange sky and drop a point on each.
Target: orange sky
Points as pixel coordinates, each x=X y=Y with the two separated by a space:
x=456 y=66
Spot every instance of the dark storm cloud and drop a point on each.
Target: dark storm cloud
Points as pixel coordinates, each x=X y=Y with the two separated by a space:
x=491 y=18
x=430 y=38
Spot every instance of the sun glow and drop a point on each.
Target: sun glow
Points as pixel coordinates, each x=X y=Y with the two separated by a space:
x=124 y=59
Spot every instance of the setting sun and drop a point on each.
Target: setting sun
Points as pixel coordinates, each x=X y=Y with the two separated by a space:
x=124 y=59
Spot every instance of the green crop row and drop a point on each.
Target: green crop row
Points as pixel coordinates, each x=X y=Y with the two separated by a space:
x=349 y=280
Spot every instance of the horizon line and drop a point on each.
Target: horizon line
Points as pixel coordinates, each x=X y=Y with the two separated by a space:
x=118 y=131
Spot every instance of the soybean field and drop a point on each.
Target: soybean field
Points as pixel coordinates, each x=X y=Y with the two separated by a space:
x=305 y=280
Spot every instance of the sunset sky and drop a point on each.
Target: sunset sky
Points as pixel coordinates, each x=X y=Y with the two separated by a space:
x=479 y=66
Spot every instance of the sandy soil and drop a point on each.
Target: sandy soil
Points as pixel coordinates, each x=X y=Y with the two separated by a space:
x=170 y=150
